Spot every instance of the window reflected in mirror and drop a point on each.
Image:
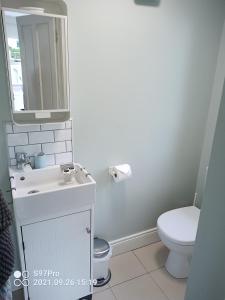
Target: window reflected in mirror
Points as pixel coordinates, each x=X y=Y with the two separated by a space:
x=36 y=46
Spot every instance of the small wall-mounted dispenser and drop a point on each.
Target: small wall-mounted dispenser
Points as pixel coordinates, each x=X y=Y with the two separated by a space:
x=120 y=172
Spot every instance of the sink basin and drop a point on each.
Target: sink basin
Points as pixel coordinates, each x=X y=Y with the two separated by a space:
x=43 y=193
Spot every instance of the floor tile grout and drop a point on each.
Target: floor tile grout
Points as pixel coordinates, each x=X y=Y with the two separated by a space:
x=128 y=280
x=143 y=263
x=162 y=267
x=134 y=276
x=113 y=293
x=140 y=261
x=159 y=287
x=122 y=282
x=97 y=292
x=146 y=272
x=151 y=244
x=122 y=253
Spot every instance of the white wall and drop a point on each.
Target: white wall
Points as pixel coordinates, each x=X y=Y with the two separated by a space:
x=141 y=80
x=11 y=25
x=211 y=121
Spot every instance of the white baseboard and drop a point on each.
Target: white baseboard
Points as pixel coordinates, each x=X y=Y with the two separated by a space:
x=134 y=241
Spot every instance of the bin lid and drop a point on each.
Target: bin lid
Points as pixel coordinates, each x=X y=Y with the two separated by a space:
x=101 y=248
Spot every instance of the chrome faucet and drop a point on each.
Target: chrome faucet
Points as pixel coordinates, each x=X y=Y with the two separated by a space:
x=22 y=160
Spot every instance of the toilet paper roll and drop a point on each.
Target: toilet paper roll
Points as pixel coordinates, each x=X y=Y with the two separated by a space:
x=120 y=172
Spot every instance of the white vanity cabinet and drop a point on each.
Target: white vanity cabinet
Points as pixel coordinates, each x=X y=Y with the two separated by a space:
x=57 y=256
x=54 y=221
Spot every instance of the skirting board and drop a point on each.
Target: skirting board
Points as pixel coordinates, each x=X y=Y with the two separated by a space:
x=134 y=241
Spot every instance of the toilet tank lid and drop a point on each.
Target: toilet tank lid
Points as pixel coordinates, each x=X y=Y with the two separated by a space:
x=180 y=225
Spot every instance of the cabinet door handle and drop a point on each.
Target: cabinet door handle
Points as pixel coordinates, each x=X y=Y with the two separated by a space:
x=88 y=230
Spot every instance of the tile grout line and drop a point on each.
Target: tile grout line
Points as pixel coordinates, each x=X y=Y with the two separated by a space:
x=121 y=283
x=140 y=261
x=146 y=271
x=151 y=244
x=160 y=267
x=149 y=272
x=122 y=253
x=33 y=144
x=28 y=137
x=159 y=286
x=39 y=129
x=113 y=293
x=128 y=280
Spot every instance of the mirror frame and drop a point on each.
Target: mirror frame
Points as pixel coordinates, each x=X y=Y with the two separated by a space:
x=36 y=116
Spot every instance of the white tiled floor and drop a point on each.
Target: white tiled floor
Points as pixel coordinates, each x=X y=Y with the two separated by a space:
x=140 y=275
x=125 y=267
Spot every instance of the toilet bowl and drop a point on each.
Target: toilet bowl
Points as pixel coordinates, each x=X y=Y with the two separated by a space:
x=177 y=229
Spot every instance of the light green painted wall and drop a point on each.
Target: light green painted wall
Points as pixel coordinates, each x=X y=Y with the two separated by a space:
x=206 y=281
x=141 y=81
x=212 y=120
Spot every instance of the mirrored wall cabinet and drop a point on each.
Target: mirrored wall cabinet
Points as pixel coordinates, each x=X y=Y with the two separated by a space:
x=37 y=61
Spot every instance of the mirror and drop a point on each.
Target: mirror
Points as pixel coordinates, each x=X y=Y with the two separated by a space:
x=36 y=46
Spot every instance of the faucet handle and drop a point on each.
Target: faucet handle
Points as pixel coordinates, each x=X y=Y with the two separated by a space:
x=28 y=160
x=22 y=160
x=21 y=157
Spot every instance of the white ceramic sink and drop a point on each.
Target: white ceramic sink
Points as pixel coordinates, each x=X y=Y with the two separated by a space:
x=43 y=193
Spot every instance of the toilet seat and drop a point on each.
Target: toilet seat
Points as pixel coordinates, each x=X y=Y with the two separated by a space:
x=180 y=225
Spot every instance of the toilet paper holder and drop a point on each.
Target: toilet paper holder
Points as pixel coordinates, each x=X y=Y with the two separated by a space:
x=120 y=172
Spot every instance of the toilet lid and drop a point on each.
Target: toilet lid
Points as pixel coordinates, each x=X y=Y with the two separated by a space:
x=180 y=225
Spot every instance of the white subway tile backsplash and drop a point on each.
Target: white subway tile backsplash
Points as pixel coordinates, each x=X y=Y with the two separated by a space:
x=63 y=158
x=68 y=146
x=53 y=126
x=57 y=147
x=63 y=135
x=69 y=124
x=41 y=137
x=17 y=139
x=8 y=128
x=25 y=128
x=11 y=152
x=12 y=162
x=29 y=149
x=55 y=140
x=50 y=159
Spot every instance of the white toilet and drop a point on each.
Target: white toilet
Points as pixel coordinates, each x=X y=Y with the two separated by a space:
x=177 y=229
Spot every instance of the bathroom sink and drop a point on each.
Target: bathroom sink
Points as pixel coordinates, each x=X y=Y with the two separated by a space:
x=45 y=193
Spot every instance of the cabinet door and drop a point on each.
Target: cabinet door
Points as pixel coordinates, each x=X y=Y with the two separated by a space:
x=58 y=257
